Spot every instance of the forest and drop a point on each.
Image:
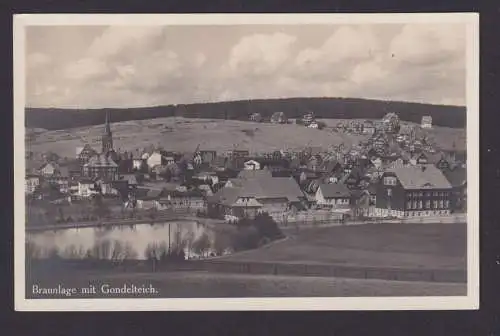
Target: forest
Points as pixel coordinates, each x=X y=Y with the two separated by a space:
x=327 y=108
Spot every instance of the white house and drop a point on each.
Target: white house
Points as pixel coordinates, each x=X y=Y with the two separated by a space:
x=334 y=195
x=169 y=160
x=137 y=164
x=155 y=159
x=86 y=188
x=31 y=183
x=313 y=125
x=251 y=165
x=426 y=122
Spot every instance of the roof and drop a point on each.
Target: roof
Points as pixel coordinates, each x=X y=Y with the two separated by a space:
x=334 y=190
x=130 y=178
x=457 y=177
x=421 y=177
x=261 y=187
x=246 y=174
x=101 y=161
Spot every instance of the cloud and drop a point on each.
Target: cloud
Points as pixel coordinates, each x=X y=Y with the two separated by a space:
x=86 y=69
x=421 y=44
x=260 y=54
x=345 y=48
x=37 y=59
x=140 y=66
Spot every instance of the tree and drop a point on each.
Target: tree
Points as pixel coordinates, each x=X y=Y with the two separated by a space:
x=201 y=245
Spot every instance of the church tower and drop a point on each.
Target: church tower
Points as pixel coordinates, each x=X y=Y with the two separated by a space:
x=107 y=136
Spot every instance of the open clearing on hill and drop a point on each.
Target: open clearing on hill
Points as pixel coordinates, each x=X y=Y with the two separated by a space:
x=418 y=246
x=184 y=134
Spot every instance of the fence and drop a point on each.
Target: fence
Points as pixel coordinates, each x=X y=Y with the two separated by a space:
x=258 y=268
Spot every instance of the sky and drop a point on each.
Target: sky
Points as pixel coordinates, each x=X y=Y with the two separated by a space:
x=133 y=66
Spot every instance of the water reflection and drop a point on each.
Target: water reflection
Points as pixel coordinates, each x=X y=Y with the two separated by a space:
x=142 y=241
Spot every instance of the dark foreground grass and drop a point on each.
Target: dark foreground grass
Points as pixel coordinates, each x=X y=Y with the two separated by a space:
x=209 y=285
x=420 y=246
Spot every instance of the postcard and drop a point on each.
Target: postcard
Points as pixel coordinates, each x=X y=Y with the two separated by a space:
x=246 y=162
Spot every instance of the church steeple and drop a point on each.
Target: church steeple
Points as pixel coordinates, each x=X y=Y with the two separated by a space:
x=107 y=137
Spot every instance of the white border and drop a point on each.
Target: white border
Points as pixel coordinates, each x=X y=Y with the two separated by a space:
x=471 y=301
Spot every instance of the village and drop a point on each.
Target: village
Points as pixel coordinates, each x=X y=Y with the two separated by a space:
x=396 y=173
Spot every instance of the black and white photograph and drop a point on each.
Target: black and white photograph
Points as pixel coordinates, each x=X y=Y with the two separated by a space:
x=246 y=162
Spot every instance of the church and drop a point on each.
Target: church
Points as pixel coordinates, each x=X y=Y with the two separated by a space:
x=103 y=165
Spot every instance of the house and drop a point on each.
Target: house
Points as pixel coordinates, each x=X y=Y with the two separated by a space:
x=279 y=118
x=368 y=127
x=188 y=200
x=390 y=123
x=251 y=165
x=31 y=183
x=83 y=154
x=315 y=163
x=313 y=125
x=458 y=180
x=48 y=169
x=86 y=188
x=413 y=191
x=426 y=122
x=308 y=118
x=131 y=180
x=333 y=196
x=255 y=117
x=138 y=163
x=148 y=198
x=155 y=159
x=60 y=178
x=239 y=153
x=208 y=156
x=250 y=194
x=101 y=166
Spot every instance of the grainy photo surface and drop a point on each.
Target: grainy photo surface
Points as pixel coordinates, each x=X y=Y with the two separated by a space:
x=250 y=162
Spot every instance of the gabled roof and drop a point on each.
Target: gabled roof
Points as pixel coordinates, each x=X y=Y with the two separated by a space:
x=101 y=161
x=334 y=190
x=261 y=187
x=421 y=177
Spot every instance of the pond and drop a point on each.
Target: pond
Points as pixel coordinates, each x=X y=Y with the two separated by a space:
x=140 y=242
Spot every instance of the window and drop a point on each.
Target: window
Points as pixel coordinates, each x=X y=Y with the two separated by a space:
x=435 y=204
x=441 y=204
x=446 y=204
x=414 y=204
x=389 y=192
x=389 y=180
x=421 y=194
x=427 y=204
x=408 y=205
x=420 y=204
x=434 y=193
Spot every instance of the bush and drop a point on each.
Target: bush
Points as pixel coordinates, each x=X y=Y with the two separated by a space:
x=246 y=238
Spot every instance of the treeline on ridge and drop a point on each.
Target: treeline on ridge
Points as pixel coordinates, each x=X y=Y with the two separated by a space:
x=328 y=108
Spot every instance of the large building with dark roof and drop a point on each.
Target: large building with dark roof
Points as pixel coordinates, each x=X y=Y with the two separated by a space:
x=413 y=191
x=257 y=191
x=101 y=166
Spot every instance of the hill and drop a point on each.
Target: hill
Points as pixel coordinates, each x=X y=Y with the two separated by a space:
x=326 y=108
x=183 y=134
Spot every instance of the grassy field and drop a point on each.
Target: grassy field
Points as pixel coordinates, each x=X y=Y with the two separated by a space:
x=420 y=246
x=205 y=285
x=185 y=134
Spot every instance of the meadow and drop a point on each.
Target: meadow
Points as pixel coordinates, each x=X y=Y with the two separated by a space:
x=415 y=246
x=183 y=134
